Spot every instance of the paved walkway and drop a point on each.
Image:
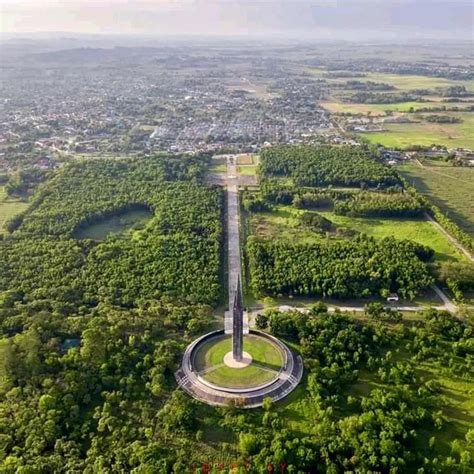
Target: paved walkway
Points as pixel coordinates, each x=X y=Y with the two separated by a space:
x=233 y=241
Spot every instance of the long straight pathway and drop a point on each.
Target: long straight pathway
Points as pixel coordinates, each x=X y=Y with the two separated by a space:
x=233 y=240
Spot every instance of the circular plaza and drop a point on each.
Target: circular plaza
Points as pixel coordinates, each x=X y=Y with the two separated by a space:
x=268 y=368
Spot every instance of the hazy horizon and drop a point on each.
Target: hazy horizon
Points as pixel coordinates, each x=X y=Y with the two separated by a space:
x=392 y=20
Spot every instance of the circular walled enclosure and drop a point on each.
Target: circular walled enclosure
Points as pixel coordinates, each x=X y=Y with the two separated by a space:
x=275 y=370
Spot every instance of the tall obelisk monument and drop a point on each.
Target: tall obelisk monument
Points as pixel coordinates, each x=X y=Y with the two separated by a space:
x=237 y=324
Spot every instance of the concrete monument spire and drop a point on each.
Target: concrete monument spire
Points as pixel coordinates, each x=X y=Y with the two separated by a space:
x=237 y=324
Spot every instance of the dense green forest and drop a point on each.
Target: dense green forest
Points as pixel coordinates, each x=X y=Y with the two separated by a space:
x=366 y=204
x=391 y=202
x=352 y=182
x=326 y=165
x=176 y=254
x=375 y=397
x=93 y=330
x=356 y=268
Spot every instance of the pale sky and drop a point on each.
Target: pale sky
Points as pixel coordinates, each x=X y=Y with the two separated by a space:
x=332 y=19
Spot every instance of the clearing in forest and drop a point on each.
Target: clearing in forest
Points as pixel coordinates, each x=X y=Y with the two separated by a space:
x=9 y=207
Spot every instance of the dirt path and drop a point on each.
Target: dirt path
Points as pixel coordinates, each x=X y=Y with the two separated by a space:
x=453 y=240
x=440 y=173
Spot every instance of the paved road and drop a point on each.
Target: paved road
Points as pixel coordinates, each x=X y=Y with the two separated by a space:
x=447 y=306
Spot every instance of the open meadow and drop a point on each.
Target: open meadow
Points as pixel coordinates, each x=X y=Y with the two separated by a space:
x=404 y=135
x=404 y=82
x=284 y=222
x=382 y=109
x=410 y=82
x=451 y=189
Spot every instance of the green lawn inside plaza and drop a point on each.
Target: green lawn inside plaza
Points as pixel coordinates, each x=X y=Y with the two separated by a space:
x=249 y=170
x=267 y=360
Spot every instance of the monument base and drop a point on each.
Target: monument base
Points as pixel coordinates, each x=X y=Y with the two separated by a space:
x=237 y=364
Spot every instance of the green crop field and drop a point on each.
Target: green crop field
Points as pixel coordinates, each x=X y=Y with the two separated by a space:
x=452 y=189
x=407 y=82
x=381 y=109
x=9 y=207
x=267 y=359
x=424 y=133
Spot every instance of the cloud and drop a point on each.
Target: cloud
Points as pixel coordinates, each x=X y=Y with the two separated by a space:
x=295 y=18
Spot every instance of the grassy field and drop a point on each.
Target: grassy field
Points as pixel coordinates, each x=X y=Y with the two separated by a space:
x=9 y=207
x=451 y=189
x=381 y=109
x=425 y=133
x=247 y=159
x=115 y=225
x=266 y=359
x=404 y=135
x=218 y=167
x=406 y=82
x=284 y=222
x=420 y=231
x=249 y=170
x=400 y=81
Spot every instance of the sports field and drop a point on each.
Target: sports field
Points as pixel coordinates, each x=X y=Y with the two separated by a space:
x=267 y=360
